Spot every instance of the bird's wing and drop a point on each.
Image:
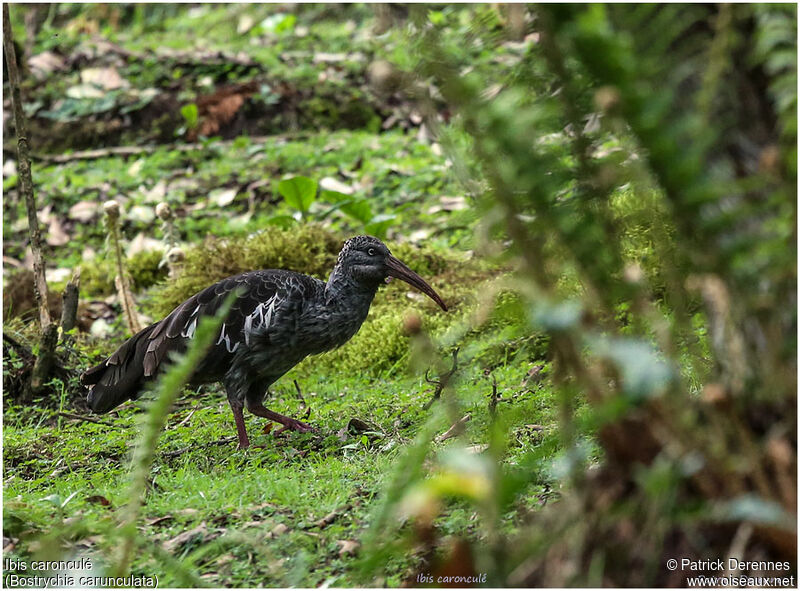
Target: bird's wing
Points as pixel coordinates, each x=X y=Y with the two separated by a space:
x=261 y=297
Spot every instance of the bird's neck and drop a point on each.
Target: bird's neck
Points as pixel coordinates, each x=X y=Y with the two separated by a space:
x=342 y=286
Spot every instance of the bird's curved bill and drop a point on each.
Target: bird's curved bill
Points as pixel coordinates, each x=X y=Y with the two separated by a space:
x=401 y=271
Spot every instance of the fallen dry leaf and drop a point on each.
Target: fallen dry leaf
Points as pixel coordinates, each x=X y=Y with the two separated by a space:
x=9 y=168
x=156 y=194
x=246 y=22
x=224 y=559
x=455 y=429
x=328 y=58
x=100 y=329
x=89 y=542
x=44 y=63
x=142 y=243
x=183 y=538
x=57 y=275
x=449 y=204
x=99 y=499
x=159 y=520
x=56 y=236
x=105 y=78
x=477 y=448
x=331 y=184
x=44 y=215
x=9 y=543
x=223 y=197
x=331 y=517
x=82 y=91
x=220 y=107
x=84 y=211
x=279 y=529
x=347 y=547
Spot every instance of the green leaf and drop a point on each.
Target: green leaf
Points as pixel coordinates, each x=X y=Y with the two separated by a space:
x=360 y=210
x=190 y=115
x=436 y=17
x=299 y=192
x=334 y=196
x=287 y=24
x=379 y=225
x=282 y=221
x=243 y=141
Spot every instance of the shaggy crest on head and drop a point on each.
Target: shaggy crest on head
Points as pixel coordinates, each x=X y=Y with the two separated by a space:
x=358 y=242
x=277 y=319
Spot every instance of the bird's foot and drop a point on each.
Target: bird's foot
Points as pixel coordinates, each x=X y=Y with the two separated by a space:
x=294 y=425
x=289 y=424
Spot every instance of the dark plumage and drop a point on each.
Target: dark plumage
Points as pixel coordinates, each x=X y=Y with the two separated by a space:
x=277 y=319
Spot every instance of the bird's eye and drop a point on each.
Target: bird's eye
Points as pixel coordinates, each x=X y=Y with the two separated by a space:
x=371 y=252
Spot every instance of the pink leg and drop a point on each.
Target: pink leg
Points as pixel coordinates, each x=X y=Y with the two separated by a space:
x=287 y=422
x=244 y=442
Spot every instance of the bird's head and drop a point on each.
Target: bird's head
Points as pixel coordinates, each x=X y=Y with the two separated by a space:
x=368 y=261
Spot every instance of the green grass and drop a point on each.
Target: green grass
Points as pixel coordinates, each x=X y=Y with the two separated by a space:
x=239 y=498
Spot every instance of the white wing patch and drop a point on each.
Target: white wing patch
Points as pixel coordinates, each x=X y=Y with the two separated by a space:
x=260 y=319
x=227 y=339
x=188 y=331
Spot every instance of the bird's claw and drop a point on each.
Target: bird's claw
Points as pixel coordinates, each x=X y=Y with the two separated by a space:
x=295 y=425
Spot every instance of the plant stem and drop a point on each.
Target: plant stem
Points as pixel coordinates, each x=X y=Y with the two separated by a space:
x=49 y=335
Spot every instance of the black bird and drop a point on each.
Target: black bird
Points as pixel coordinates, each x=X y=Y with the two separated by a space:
x=277 y=319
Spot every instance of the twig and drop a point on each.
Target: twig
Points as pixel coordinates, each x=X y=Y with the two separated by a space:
x=24 y=172
x=442 y=382
x=121 y=280
x=136 y=150
x=68 y=415
x=303 y=404
x=299 y=393
x=186 y=420
x=69 y=301
x=493 y=400
x=455 y=429
x=42 y=368
x=331 y=517
x=21 y=349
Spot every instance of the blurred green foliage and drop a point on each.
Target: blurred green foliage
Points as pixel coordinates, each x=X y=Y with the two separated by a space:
x=644 y=155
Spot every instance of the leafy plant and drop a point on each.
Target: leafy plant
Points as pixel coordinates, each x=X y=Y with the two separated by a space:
x=361 y=211
x=299 y=192
x=190 y=115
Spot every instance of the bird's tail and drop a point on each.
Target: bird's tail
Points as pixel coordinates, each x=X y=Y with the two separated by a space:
x=120 y=377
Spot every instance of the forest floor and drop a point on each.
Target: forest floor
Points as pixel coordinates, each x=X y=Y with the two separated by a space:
x=229 y=118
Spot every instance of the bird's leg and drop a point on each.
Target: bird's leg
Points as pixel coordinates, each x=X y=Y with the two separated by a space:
x=244 y=442
x=288 y=423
